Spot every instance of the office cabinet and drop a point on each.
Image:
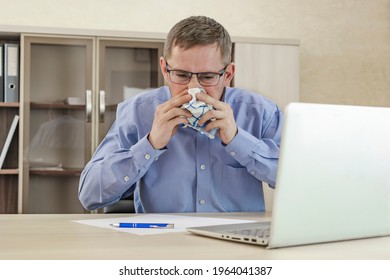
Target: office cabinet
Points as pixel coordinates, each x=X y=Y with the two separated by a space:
x=71 y=87
x=271 y=69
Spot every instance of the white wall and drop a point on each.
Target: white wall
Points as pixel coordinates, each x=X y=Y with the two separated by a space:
x=345 y=44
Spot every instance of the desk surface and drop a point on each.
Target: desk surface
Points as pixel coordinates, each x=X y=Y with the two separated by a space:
x=55 y=236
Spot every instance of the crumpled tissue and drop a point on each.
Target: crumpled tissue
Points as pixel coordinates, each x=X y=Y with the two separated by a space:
x=197 y=109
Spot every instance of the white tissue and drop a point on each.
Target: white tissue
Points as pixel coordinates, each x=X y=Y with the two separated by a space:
x=197 y=109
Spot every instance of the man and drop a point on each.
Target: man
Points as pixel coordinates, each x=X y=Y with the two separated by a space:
x=171 y=168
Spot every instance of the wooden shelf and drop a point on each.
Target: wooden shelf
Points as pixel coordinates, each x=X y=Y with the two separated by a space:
x=111 y=107
x=9 y=171
x=56 y=172
x=35 y=105
x=10 y=104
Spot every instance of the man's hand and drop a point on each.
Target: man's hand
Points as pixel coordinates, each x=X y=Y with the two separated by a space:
x=221 y=117
x=167 y=118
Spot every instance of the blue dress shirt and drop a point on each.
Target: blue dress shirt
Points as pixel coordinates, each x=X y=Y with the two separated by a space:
x=194 y=173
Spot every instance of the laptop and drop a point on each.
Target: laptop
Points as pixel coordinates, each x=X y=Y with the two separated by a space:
x=333 y=180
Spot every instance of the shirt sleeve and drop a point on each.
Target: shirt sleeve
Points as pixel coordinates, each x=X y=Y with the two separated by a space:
x=122 y=158
x=113 y=171
x=259 y=156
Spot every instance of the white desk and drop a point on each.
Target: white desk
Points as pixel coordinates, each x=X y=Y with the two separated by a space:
x=58 y=237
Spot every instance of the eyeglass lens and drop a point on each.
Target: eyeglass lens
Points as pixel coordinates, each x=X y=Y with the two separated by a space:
x=183 y=77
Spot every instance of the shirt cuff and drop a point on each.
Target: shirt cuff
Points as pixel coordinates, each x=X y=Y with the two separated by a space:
x=144 y=153
x=241 y=147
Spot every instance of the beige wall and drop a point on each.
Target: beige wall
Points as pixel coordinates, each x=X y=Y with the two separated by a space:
x=345 y=44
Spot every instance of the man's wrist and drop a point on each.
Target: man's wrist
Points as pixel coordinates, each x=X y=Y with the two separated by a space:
x=156 y=147
x=231 y=139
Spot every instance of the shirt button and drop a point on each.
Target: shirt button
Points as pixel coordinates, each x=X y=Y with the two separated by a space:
x=202 y=202
x=202 y=167
x=233 y=153
x=147 y=156
x=126 y=178
x=156 y=159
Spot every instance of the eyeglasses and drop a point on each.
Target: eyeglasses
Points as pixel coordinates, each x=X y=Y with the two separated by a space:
x=182 y=77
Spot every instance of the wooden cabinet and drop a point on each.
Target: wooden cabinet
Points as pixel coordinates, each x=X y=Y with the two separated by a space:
x=71 y=86
x=270 y=68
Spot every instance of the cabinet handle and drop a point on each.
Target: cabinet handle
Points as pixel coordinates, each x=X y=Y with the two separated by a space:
x=102 y=105
x=88 y=106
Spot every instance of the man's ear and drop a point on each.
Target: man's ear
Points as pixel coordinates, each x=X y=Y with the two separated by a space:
x=229 y=73
x=163 y=68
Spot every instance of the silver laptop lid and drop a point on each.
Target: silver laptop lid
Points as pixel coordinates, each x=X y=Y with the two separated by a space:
x=334 y=175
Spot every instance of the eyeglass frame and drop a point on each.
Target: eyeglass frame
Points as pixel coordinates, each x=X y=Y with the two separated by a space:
x=220 y=74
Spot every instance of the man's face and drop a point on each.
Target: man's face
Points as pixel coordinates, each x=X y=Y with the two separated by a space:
x=197 y=59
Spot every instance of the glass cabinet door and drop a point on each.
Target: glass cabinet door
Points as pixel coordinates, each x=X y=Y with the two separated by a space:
x=57 y=114
x=126 y=68
x=70 y=100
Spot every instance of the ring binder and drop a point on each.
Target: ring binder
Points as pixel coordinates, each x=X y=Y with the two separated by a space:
x=11 y=72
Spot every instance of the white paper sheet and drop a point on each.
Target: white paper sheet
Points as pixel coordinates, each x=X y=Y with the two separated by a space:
x=180 y=223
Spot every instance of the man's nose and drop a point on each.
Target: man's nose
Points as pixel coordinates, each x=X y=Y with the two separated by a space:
x=194 y=83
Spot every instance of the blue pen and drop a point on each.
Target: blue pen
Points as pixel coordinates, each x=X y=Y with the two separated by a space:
x=142 y=225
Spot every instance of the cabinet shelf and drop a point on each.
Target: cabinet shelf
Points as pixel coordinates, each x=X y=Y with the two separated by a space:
x=10 y=104
x=9 y=171
x=56 y=172
x=112 y=107
x=36 y=105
